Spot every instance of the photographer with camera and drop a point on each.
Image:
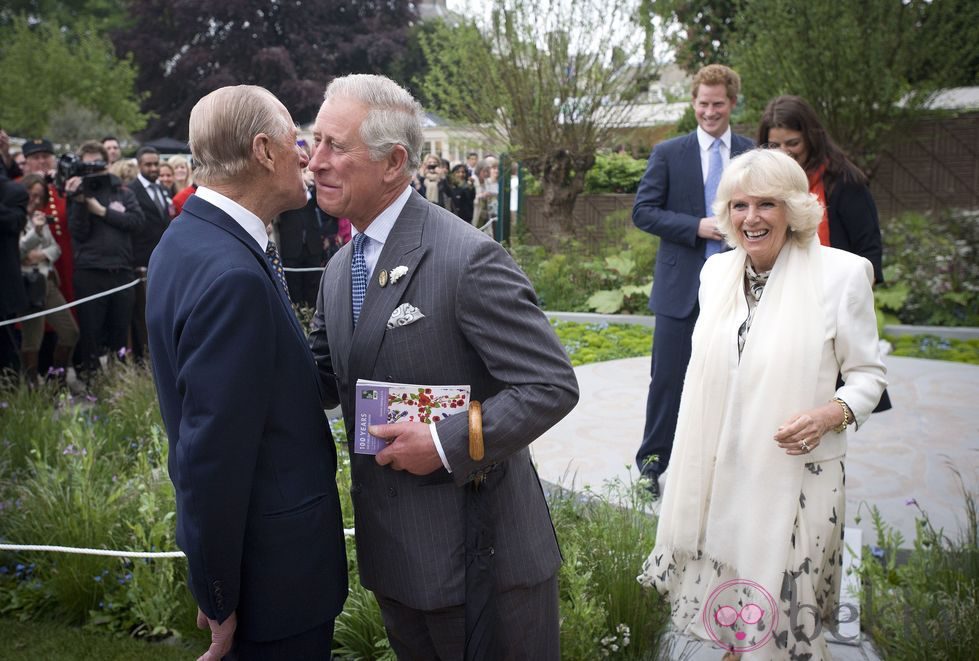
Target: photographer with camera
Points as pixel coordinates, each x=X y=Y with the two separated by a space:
x=103 y=215
x=38 y=253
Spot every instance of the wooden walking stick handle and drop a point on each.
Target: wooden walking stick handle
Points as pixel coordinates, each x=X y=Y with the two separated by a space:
x=476 y=449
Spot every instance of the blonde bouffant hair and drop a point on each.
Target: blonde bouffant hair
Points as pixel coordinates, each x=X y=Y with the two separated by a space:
x=772 y=174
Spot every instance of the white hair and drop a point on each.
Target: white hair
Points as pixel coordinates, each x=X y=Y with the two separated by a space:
x=223 y=125
x=393 y=118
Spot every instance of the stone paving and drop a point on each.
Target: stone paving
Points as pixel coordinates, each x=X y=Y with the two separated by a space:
x=909 y=454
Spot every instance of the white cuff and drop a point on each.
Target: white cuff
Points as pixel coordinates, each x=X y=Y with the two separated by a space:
x=438 y=446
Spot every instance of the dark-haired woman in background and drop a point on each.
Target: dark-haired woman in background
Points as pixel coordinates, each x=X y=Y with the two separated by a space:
x=850 y=220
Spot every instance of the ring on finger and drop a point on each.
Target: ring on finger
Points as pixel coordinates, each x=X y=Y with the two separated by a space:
x=805 y=446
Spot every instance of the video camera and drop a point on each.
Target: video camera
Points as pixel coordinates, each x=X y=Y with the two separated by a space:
x=93 y=174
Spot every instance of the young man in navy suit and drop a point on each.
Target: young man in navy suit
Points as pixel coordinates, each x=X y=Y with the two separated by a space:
x=251 y=456
x=673 y=202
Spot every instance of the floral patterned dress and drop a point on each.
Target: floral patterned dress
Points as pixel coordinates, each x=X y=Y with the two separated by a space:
x=711 y=602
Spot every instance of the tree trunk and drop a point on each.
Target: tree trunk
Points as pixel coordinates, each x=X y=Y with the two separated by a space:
x=562 y=178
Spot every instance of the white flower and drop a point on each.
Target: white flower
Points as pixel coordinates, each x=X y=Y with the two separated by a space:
x=397 y=272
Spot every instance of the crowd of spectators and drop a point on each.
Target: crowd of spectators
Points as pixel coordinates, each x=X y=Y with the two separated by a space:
x=90 y=230
x=469 y=189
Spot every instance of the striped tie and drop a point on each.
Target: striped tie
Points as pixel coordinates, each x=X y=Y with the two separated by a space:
x=358 y=275
x=273 y=256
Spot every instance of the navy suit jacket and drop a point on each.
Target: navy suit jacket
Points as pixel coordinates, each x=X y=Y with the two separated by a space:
x=670 y=204
x=251 y=455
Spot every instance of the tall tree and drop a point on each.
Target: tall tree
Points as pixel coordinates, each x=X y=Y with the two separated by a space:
x=549 y=79
x=853 y=61
x=700 y=31
x=187 y=48
x=44 y=70
x=102 y=15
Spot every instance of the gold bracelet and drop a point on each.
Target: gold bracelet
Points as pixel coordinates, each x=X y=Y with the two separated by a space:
x=847 y=417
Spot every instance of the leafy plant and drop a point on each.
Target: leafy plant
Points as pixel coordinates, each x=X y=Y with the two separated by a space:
x=612 y=276
x=595 y=343
x=614 y=173
x=936 y=348
x=931 y=270
x=605 y=612
x=923 y=608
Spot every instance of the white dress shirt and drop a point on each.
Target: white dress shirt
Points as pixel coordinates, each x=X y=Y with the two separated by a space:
x=248 y=221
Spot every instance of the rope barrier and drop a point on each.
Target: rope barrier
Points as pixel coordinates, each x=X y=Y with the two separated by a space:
x=83 y=551
x=44 y=313
x=66 y=306
x=347 y=532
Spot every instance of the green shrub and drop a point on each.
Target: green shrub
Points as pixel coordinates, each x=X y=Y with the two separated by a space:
x=605 y=537
x=595 y=343
x=931 y=269
x=614 y=173
x=613 y=277
x=925 y=607
x=936 y=348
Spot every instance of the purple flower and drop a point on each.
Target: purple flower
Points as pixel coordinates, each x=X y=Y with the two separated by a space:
x=71 y=450
x=92 y=398
x=877 y=552
x=4 y=405
x=122 y=353
x=911 y=501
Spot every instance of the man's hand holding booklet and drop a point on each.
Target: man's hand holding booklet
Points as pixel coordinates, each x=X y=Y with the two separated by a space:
x=380 y=402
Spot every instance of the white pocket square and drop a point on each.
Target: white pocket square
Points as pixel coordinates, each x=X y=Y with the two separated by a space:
x=404 y=314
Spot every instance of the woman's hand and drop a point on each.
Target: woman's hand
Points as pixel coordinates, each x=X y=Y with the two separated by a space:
x=804 y=432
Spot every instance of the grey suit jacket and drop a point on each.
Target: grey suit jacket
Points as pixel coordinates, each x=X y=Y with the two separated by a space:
x=482 y=327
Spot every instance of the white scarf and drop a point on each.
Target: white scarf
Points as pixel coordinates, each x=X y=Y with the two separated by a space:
x=732 y=492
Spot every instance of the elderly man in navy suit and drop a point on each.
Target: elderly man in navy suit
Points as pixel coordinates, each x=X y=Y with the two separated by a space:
x=673 y=202
x=251 y=455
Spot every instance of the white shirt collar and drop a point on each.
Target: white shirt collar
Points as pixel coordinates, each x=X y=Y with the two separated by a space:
x=248 y=221
x=143 y=180
x=381 y=226
x=706 y=139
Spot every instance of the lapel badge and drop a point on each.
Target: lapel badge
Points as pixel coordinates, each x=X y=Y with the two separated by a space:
x=382 y=278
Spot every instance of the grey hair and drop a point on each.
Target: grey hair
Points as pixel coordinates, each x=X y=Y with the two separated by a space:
x=393 y=118
x=223 y=125
x=768 y=173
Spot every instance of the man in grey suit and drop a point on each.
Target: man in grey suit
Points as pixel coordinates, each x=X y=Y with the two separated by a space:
x=673 y=202
x=475 y=321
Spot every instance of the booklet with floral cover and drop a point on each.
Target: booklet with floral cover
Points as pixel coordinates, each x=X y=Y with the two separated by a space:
x=379 y=402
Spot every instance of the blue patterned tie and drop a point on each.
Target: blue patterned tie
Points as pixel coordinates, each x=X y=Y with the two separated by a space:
x=358 y=275
x=714 y=169
x=273 y=256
